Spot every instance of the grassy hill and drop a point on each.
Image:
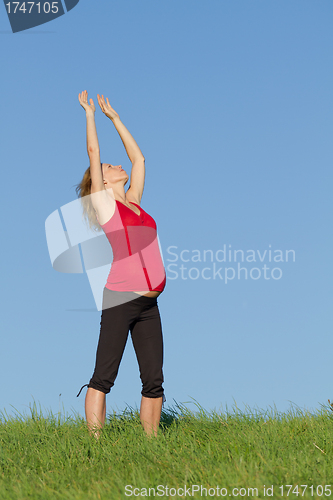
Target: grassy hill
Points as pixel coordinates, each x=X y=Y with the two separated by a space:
x=196 y=455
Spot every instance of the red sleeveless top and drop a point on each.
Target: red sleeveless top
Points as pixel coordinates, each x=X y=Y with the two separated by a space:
x=137 y=263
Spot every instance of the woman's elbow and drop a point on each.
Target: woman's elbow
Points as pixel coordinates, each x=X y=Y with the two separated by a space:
x=92 y=150
x=139 y=158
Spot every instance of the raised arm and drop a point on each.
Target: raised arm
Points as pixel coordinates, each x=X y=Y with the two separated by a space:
x=97 y=183
x=132 y=149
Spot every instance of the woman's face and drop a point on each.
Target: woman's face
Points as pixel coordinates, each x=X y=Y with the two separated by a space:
x=113 y=174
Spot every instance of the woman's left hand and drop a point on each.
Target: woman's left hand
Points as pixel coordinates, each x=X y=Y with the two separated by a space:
x=106 y=107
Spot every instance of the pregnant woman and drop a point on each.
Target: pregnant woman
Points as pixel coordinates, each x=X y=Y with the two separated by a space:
x=136 y=278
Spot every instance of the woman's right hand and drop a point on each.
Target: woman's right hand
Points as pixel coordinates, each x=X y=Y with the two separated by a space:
x=83 y=99
x=106 y=107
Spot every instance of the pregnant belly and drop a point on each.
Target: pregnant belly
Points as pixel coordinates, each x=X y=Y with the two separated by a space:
x=148 y=293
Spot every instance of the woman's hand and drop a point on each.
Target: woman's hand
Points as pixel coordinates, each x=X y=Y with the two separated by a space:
x=83 y=99
x=106 y=107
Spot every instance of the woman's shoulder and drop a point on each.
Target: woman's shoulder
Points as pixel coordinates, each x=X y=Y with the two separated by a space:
x=104 y=205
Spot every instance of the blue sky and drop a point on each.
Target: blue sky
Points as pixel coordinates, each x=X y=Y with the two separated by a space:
x=231 y=104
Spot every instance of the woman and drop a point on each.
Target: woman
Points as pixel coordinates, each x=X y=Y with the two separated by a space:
x=136 y=279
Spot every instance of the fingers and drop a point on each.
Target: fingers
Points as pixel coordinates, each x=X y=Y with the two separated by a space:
x=83 y=99
x=83 y=96
x=109 y=105
x=105 y=106
x=100 y=101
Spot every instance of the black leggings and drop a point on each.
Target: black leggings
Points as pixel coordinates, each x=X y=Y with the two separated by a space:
x=124 y=311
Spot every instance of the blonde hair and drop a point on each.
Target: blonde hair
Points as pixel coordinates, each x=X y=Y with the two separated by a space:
x=83 y=190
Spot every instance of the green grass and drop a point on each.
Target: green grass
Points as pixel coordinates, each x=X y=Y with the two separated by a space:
x=54 y=457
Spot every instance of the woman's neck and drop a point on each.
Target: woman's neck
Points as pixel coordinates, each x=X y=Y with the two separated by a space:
x=119 y=193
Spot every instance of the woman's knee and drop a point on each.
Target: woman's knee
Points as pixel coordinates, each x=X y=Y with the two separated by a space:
x=152 y=386
x=100 y=385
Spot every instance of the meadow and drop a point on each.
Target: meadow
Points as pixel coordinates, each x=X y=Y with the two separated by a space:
x=249 y=454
